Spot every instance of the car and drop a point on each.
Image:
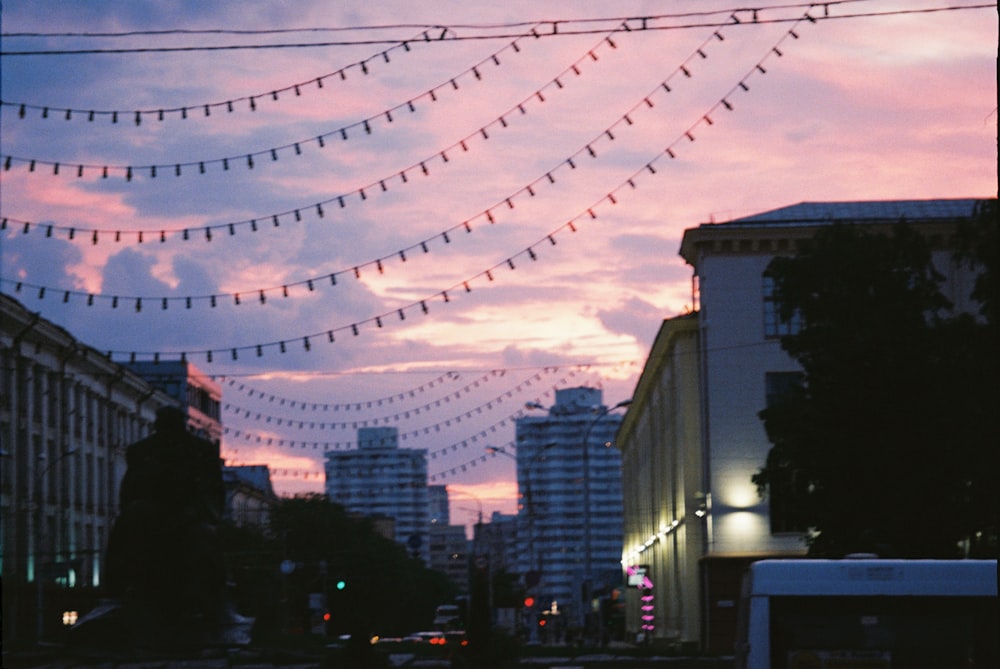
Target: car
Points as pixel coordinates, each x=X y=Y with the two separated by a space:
x=457 y=638
x=447 y=617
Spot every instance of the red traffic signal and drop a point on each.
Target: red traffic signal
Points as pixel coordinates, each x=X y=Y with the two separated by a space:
x=529 y=602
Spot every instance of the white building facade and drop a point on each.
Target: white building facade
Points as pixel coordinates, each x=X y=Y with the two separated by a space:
x=665 y=510
x=739 y=363
x=570 y=503
x=381 y=479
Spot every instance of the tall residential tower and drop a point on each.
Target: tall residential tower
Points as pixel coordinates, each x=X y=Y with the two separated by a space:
x=381 y=479
x=570 y=510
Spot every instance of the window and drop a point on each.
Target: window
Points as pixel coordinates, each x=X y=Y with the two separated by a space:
x=774 y=326
x=883 y=631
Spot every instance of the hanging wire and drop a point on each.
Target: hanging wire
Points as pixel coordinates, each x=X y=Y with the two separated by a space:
x=425 y=244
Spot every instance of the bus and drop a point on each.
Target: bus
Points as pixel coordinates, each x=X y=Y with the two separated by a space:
x=868 y=614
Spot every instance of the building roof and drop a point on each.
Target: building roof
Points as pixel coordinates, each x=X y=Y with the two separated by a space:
x=659 y=356
x=799 y=221
x=255 y=476
x=875 y=210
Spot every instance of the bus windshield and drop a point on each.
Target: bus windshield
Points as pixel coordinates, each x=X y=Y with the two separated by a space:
x=877 y=632
x=869 y=614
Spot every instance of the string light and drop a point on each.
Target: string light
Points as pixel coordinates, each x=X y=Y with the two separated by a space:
x=387 y=419
x=488 y=273
x=273 y=152
x=162 y=113
x=339 y=199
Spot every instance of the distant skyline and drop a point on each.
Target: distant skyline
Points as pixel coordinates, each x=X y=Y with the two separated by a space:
x=527 y=192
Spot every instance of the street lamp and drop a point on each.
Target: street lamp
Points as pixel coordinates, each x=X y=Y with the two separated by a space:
x=493 y=450
x=479 y=502
x=534 y=560
x=599 y=413
x=39 y=615
x=587 y=557
x=528 y=502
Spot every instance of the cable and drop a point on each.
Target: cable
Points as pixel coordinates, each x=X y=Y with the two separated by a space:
x=408 y=26
x=585 y=215
x=557 y=31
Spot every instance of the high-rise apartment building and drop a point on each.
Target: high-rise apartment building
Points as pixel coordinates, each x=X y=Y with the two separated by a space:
x=570 y=506
x=437 y=499
x=380 y=478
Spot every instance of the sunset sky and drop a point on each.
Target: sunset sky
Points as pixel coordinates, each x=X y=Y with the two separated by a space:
x=522 y=172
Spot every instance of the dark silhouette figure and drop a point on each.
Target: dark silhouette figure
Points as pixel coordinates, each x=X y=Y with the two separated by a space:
x=165 y=570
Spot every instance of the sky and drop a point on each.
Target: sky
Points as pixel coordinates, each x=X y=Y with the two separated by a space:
x=426 y=215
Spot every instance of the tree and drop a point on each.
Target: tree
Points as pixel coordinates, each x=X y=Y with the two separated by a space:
x=385 y=591
x=888 y=445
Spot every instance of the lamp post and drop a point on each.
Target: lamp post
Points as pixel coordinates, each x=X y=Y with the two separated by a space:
x=587 y=557
x=479 y=503
x=533 y=556
x=528 y=500
x=599 y=413
x=39 y=614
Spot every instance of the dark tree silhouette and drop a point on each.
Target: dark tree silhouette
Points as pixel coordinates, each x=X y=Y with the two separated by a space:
x=890 y=443
x=386 y=592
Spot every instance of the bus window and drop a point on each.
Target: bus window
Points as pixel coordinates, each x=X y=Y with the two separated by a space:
x=883 y=632
x=868 y=614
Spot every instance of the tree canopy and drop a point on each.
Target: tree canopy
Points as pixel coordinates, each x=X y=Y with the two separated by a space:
x=372 y=585
x=890 y=442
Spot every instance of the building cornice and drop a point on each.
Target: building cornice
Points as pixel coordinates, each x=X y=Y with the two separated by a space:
x=782 y=230
x=659 y=355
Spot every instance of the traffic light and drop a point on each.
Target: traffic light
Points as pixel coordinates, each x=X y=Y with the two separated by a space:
x=529 y=602
x=341 y=584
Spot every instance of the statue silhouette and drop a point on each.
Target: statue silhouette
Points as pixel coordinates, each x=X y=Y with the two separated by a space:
x=165 y=570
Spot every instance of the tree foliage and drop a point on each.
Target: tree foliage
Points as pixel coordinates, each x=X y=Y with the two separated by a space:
x=385 y=591
x=890 y=443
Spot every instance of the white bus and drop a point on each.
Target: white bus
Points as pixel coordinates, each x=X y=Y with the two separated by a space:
x=868 y=614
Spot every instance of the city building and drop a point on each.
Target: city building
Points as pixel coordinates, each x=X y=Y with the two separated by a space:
x=495 y=545
x=448 y=548
x=380 y=478
x=727 y=369
x=448 y=552
x=196 y=392
x=497 y=539
x=570 y=508
x=67 y=415
x=250 y=498
x=660 y=442
x=437 y=500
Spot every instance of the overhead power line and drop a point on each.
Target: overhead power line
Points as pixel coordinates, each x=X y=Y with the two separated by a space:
x=556 y=28
x=406 y=26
